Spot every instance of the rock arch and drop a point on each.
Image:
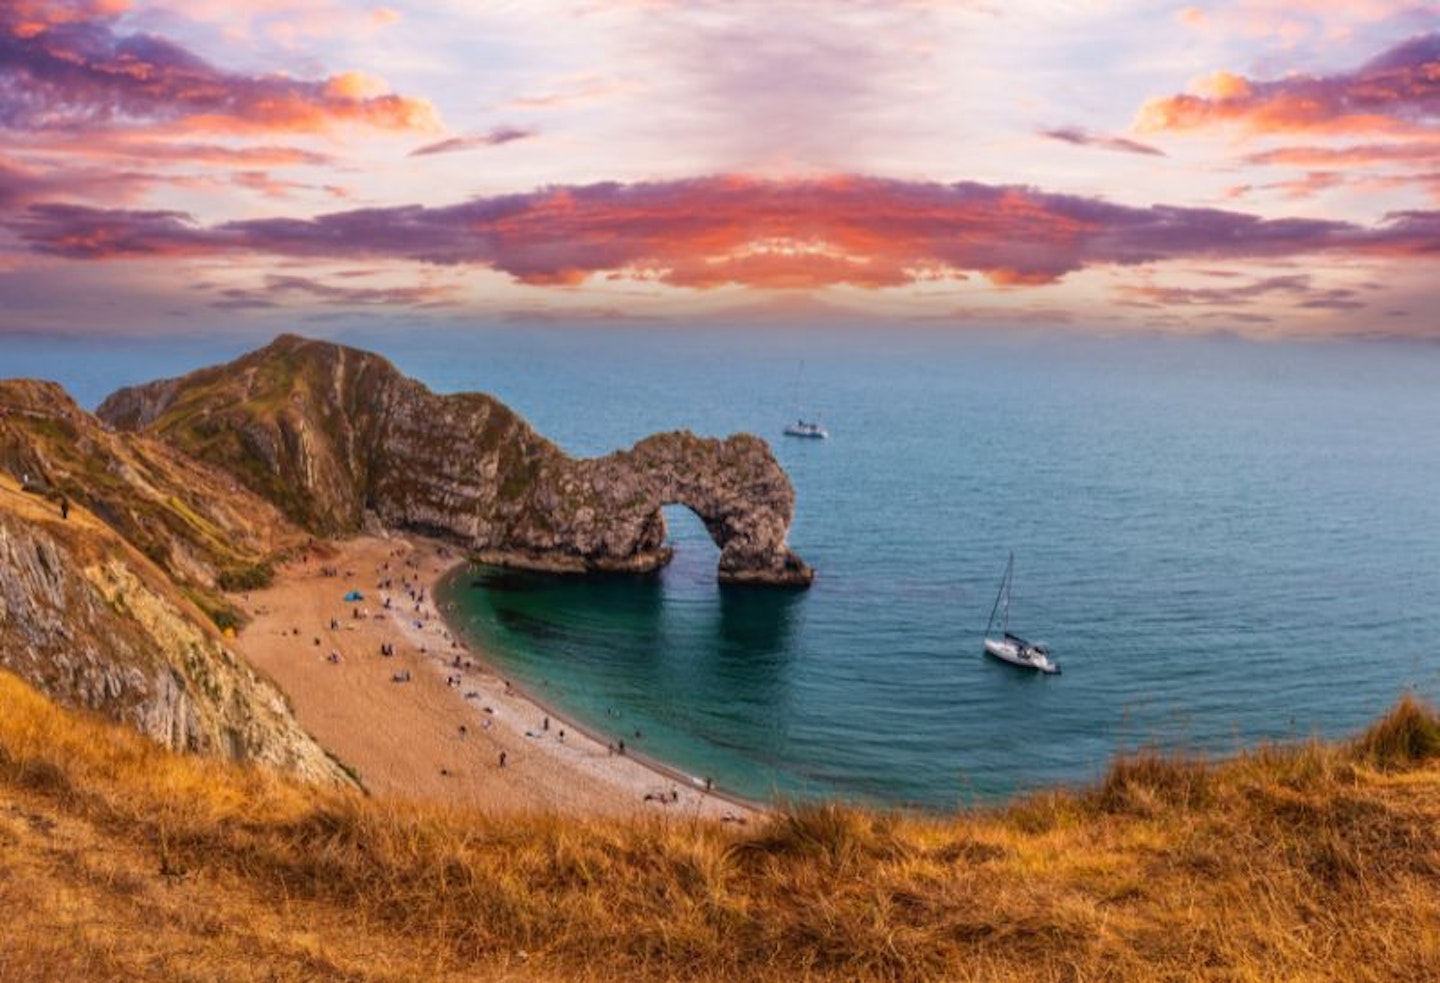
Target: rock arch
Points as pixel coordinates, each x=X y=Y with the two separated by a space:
x=735 y=486
x=339 y=438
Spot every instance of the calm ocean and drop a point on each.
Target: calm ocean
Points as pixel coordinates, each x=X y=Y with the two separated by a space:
x=1223 y=542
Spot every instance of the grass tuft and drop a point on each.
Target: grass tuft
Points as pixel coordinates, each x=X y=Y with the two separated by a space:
x=1406 y=736
x=1151 y=781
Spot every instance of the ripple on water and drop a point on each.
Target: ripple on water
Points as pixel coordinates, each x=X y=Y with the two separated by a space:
x=1197 y=527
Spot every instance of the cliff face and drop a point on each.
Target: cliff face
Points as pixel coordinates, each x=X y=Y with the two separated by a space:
x=333 y=435
x=201 y=526
x=92 y=623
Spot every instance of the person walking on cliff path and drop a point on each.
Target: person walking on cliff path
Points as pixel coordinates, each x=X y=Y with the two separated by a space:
x=64 y=507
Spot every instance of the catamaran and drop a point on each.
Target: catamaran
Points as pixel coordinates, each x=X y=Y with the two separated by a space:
x=1009 y=647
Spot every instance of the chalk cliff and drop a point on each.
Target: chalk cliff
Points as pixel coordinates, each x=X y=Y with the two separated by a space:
x=92 y=623
x=337 y=437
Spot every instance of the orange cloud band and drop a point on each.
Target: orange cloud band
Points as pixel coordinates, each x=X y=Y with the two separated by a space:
x=1398 y=91
x=707 y=232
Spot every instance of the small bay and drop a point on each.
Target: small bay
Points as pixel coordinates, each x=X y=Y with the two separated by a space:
x=1223 y=542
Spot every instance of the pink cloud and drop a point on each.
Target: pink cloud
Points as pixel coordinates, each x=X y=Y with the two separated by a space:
x=141 y=148
x=707 y=232
x=422 y=295
x=1298 y=287
x=1308 y=186
x=574 y=91
x=1397 y=92
x=1083 y=138
x=1364 y=155
x=21 y=184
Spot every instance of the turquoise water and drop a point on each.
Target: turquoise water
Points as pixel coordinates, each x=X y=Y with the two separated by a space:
x=1222 y=541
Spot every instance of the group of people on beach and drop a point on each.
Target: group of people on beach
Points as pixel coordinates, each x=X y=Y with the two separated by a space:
x=458 y=665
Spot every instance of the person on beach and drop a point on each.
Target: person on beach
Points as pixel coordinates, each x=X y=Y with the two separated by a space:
x=503 y=756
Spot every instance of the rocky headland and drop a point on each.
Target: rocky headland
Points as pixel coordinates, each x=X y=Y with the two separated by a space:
x=128 y=538
x=339 y=439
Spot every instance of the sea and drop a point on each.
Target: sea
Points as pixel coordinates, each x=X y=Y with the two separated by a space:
x=1223 y=541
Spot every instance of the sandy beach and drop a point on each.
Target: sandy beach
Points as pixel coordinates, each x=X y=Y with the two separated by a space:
x=433 y=719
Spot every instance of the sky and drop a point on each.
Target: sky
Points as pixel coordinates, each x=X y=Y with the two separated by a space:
x=1270 y=169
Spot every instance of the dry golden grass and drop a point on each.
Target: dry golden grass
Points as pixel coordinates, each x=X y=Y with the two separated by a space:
x=120 y=861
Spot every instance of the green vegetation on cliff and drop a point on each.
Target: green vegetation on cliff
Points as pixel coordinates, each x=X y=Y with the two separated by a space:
x=190 y=519
x=335 y=436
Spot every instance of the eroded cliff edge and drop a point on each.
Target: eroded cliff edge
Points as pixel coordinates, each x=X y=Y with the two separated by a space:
x=335 y=436
x=90 y=622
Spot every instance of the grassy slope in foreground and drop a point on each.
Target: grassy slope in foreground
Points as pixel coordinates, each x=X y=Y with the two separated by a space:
x=121 y=861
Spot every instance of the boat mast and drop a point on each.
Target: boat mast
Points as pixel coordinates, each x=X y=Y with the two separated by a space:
x=799 y=403
x=1002 y=594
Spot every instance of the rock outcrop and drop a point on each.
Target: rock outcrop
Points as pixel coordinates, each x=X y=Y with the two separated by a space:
x=335 y=436
x=89 y=621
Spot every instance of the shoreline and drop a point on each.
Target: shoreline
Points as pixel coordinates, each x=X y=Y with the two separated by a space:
x=457 y=731
x=661 y=768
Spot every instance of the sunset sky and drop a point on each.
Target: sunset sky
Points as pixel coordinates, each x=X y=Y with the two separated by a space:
x=1266 y=168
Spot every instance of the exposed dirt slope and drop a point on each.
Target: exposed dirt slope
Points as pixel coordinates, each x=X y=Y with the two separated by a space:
x=93 y=623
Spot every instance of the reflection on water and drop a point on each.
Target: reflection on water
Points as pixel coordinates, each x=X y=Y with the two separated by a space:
x=756 y=621
x=700 y=670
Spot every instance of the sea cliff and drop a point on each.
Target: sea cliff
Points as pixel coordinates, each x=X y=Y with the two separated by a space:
x=339 y=439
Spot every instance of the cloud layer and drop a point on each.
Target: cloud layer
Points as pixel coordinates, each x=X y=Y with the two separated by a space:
x=64 y=66
x=707 y=232
x=1397 y=91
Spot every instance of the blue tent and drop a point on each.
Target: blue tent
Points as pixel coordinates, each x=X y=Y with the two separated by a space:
x=354 y=595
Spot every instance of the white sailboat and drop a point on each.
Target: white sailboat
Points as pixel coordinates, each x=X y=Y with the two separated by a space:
x=1008 y=647
x=803 y=427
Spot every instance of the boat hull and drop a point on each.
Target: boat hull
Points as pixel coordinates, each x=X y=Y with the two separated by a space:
x=811 y=433
x=1025 y=657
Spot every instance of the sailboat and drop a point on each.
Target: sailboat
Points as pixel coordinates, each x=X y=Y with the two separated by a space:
x=1008 y=647
x=803 y=427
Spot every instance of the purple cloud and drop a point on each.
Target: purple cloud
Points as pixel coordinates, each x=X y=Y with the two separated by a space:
x=1399 y=90
x=495 y=138
x=74 y=72
x=705 y=232
x=1083 y=138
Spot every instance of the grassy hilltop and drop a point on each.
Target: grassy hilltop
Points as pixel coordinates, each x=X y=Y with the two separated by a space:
x=121 y=861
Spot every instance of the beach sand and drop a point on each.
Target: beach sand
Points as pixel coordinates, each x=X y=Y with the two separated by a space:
x=426 y=737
